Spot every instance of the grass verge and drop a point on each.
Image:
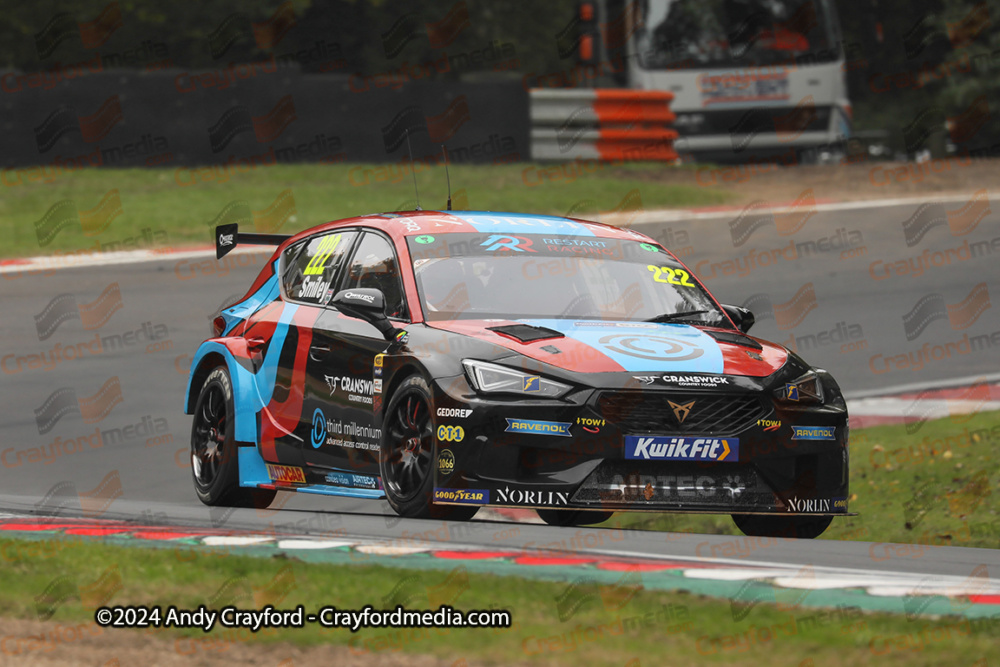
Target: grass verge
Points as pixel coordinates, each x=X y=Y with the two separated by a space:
x=177 y=207
x=935 y=482
x=65 y=580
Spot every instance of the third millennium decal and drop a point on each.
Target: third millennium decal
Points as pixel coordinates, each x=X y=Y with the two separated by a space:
x=814 y=432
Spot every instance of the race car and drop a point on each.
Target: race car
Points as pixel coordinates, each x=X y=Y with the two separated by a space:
x=452 y=360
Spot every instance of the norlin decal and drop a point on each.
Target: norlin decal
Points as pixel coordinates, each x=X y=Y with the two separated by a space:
x=817 y=505
x=519 y=497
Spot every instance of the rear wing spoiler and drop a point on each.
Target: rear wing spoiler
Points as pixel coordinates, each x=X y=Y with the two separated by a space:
x=229 y=236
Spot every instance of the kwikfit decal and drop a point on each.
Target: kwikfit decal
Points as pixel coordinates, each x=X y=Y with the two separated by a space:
x=682 y=449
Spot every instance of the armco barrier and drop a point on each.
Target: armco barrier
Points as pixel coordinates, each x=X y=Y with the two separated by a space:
x=608 y=125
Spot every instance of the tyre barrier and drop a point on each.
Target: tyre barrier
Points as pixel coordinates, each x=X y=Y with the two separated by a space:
x=609 y=125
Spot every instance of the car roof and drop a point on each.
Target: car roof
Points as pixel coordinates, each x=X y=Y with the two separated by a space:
x=413 y=223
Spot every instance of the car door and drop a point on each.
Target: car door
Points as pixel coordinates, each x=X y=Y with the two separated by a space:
x=308 y=270
x=341 y=383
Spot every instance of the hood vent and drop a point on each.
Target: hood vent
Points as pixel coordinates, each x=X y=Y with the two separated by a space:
x=526 y=333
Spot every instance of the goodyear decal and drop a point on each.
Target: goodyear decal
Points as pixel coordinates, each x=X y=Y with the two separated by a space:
x=641 y=346
x=514 y=223
x=286 y=474
x=537 y=427
x=660 y=448
x=470 y=496
x=814 y=433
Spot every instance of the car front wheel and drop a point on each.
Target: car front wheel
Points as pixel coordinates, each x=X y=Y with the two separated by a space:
x=407 y=455
x=573 y=517
x=801 y=527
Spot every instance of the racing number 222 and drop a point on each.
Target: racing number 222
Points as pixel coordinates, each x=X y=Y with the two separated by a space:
x=671 y=276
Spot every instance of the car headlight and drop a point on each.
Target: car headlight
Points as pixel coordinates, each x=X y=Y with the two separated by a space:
x=494 y=379
x=805 y=389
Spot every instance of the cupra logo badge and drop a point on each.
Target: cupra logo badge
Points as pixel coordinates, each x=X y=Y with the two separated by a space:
x=681 y=410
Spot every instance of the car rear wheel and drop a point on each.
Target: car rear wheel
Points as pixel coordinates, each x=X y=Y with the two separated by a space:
x=573 y=517
x=407 y=455
x=801 y=527
x=214 y=463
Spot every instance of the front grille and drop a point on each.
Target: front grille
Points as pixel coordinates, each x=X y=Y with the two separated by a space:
x=639 y=412
x=676 y=485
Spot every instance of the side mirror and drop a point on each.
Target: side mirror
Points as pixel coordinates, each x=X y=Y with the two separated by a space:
x=741 y=317
x=365 y=304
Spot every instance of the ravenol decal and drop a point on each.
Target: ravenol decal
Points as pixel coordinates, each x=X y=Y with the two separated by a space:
x=675 y=348
x=537 y=427
x=505 y=242
x=447 y=433
x=317 y=435
x=513 y=223
x=286 y=474
x=472 y=496
x=532 y=383
x=814 y=432
x=681 y=449
x=327 y=245
x=792 y=392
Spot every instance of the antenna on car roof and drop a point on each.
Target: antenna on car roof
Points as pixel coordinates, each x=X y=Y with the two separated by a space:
x=415 y=191
x=446 y=174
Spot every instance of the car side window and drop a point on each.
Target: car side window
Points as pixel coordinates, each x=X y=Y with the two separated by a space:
x=374 y=265
x=311 y=266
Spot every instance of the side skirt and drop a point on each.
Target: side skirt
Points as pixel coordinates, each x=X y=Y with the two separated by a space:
x=253 y=474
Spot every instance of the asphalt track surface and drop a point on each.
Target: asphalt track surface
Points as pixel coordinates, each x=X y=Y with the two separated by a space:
x=183 y=294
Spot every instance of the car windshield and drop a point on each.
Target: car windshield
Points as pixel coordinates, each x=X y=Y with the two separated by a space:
x=696 y=34
x=534 y=276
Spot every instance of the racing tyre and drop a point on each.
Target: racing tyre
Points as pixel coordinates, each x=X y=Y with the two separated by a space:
x=407 y=455
x=214 y=464
x=573 y=517
x=801 y=527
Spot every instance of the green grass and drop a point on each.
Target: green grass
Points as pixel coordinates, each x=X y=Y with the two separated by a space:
x=614 y=625
x=178 y=209
x=938 y=485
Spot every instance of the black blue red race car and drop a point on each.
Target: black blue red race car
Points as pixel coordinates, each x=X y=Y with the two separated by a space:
x=450 y=360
